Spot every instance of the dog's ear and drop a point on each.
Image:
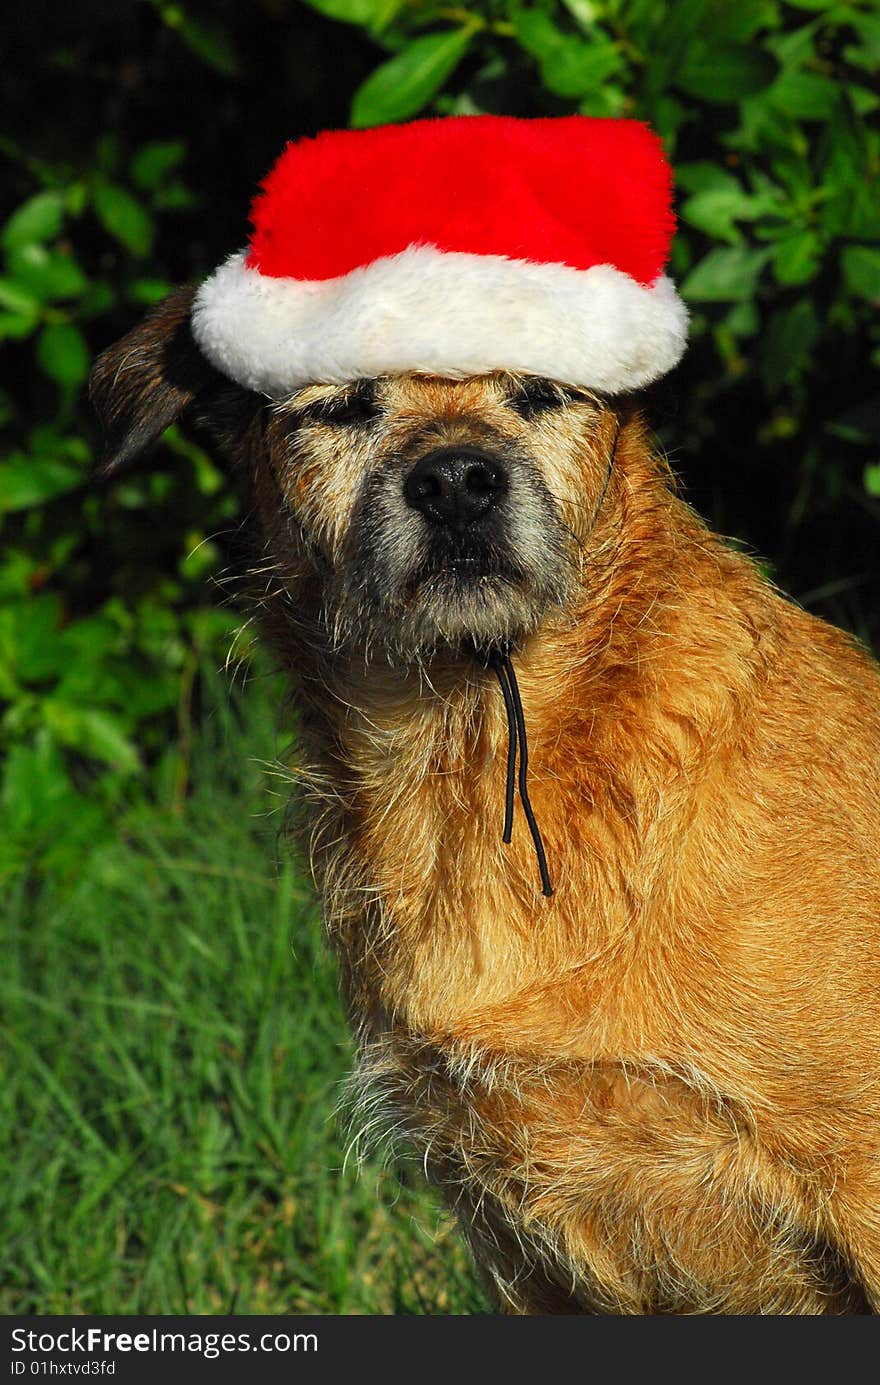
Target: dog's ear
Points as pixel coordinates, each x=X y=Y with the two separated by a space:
x=149 y=378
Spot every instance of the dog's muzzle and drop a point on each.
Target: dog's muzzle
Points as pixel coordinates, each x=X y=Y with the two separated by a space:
x=458 y=542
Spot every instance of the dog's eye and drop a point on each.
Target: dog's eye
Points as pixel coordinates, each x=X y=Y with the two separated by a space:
x=356 y=405
x=535 y=396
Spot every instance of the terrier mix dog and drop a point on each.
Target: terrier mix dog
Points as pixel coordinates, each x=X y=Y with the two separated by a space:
x=637 y=1045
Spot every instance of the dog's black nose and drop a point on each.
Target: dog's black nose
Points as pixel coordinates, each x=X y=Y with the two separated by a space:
x=454 y=486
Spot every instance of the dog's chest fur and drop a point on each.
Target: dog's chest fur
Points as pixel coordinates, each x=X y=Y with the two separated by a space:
x=603 y=1187
x=601 y=1128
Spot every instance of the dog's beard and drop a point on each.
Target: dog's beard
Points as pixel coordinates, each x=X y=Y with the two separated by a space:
x=404 y=590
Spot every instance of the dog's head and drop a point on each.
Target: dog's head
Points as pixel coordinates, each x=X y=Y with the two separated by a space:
x=405 y=514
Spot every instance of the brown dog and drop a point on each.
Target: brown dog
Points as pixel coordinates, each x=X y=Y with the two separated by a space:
x=658 y=1090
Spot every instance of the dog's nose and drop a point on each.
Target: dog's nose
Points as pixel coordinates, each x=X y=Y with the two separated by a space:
x=454 y=486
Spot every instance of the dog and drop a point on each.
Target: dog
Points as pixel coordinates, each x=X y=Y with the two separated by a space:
x=646 y=1076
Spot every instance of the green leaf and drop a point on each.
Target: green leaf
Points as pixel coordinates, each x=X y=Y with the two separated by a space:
x=200 y=557
x=795 y=45
x=91 y=639
x=586 y=12
x=796 y=258
x=206 y=38
x=580 y=69
x=19 y=310
x=715 y=211
x=27 y=481
x=36 y=789
x=702 y=176
x=50 y=275
x=668 y=34
x=46 y=439
x=804 y=95
x=767 y=130
x=76 y=197
x=124 y=217
x=867 y=25
x=851 y=207
x=152 y=164
x=611 y=100
x=92 y=732
x=405 y=84
x=861 y=271
x=726 y=73
x=863 y=102
x=743 y=319
x=37 y=220
x=209 y=479
x=366 y=12
x=570 y=66
x=737 y=22
x=860 y=423
x=19 y=574
x=173 y=196
x=212 y=629
x=787 y=344
x=871 y=478
x=149 y=291
x=722 y=203
x=30 y=639
x=98 y=298
x=726 y=275
x=62 y=353
x=210 y=42
x=13 y=326
x=867 y=52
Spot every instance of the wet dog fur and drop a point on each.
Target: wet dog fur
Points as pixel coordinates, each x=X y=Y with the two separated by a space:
x=657 y=1091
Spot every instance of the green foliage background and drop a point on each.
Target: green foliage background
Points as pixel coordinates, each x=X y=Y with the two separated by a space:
x=134 y=138
x=171 y=1067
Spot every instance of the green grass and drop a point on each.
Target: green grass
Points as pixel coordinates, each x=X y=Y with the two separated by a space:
x=174 y=1049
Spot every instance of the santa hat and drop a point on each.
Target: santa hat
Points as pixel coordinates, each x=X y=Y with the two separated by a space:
x=454 y=247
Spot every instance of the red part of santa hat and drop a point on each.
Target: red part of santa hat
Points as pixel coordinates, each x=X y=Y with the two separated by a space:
x=454 y=247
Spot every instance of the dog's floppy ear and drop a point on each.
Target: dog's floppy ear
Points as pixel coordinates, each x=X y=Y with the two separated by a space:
x=147 y=380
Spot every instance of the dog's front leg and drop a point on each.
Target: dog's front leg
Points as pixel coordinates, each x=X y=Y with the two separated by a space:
x=855 y=1212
